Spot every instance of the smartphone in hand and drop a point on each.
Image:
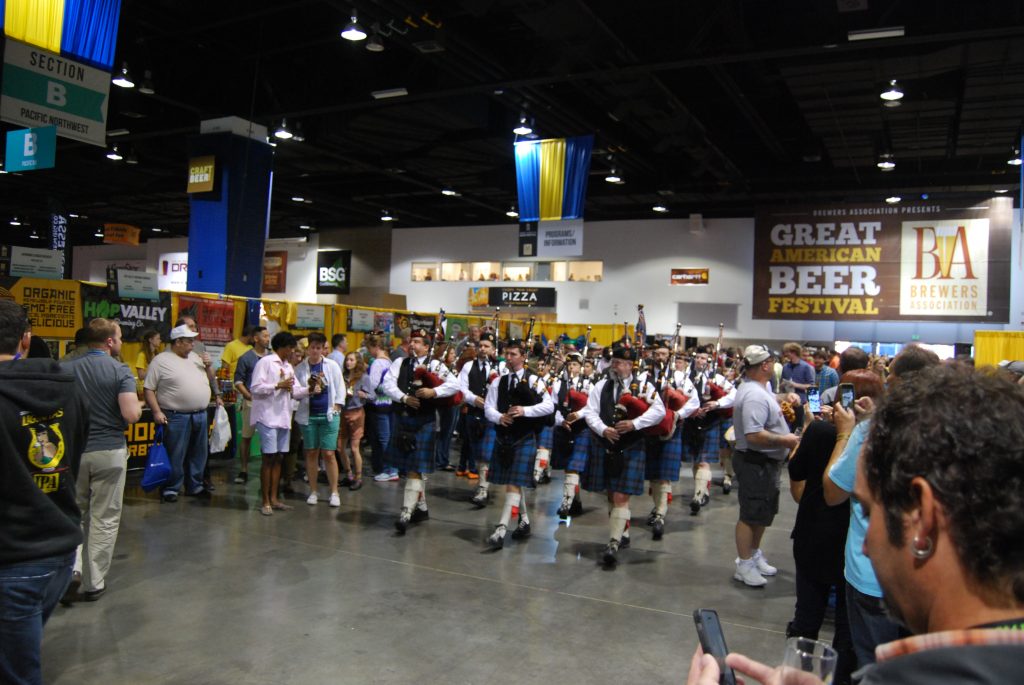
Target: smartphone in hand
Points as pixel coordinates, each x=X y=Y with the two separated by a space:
x=846 y=395
x=712 y=641
x=814 y=401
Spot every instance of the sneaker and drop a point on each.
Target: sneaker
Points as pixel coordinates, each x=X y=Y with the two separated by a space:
x=694 y=506
x=170 y=497
x=610 y=554
x=727 y=485
x=522 y=531
x=356 y=484
x=312 y=499
x=335 y=500
x=658 y=527
x=447 y=467
x=242 y=478
x=419 y=514
x=747 y=573
x=763 y=567
x=382 y=477
x=497 y=538
x=563 y=511
x=402 y=524
x=480 y=497
x=393 y=476
x=472 y=475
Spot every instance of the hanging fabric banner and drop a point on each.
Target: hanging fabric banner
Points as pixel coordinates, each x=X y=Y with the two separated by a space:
x=551 y=177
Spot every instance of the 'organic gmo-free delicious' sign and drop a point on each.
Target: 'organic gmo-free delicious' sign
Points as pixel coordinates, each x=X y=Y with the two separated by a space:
x=916 y=261
x=333 y=272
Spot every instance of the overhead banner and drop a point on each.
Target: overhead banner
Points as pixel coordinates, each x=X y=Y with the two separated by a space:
x=53 y=307
x=215 y=318
x=31 y=149
x=275 y=271
x=551 y=177
x=200 y=174
x=515 y=297
x=120 y=234
x=560 y=238
x=334 y=272
x=139 y=285
x=690 y=277
x=133 y=316
x=41 y=88
x=37 y=262
x=915 y=261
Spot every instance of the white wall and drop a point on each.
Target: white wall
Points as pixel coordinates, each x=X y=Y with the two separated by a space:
x=83 y=269
x=637 y=259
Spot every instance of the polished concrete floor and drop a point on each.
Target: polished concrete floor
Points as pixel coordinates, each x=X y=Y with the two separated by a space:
x=213 y=592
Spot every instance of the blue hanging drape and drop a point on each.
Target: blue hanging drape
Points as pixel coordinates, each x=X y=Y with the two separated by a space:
x=90 y=31
x=577 y=171
x=528 y=181
x=551 y=177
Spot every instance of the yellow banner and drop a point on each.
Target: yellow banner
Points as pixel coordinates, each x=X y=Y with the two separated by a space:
x=120 y=234
x=54 y=307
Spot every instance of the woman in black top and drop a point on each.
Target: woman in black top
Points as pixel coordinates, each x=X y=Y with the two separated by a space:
x=819 y=538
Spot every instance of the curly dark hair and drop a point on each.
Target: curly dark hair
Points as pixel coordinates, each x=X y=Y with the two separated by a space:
x=963 y=432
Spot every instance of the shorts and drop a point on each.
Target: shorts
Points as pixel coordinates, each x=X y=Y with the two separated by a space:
x=758 y=481
x=248 y=430
x=321 y=434
x=273 y=440
x=354 y=422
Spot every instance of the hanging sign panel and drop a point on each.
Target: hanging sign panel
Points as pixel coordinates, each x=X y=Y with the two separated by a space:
x=560 y=239
x=690 y=277
x=31 y=149
x=915 y=261
x=334 y=272
x=521 y=297
x=133 y=316
x=54 y=307
x=275 y=271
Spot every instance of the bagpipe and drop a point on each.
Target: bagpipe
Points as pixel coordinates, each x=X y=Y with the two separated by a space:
x=673 y=399
x=423 y=377
x=716 y=391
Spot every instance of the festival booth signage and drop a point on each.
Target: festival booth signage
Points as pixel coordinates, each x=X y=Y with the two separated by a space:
x=909 y=262
x=309 y=316
x=132 y=315
x=521 y=297
x=275 y=271
x=36 y=262
x=690 y=277
x=334 y=272
x=215 y=318
x=54 y=307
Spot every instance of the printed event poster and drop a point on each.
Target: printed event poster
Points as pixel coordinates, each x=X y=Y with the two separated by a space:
x=907 y=262
x=384 y=322
x=309 y=316
x=216 y=318
x=133 y=316
x=54 y=307
x=275 y=271
x=360 y=320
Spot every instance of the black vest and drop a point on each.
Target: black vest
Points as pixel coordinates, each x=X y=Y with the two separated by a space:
x=523 y=396
x=405 y=379
x=477 y=384
x=607 y=412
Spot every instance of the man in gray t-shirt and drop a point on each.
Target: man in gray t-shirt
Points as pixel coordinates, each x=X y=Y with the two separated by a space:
x=762 y=442
x=113 y=405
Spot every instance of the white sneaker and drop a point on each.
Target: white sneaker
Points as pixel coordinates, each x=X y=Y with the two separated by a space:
x=382 y=477
x=335 y=500
x=312 y=499
x=763 y=567
x=746 y=572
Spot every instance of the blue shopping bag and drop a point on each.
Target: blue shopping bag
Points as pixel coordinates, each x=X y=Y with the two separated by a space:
x=158 y=465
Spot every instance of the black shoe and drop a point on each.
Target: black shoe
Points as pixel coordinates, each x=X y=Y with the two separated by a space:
x=610 y=554
x=344 y=482
x=71 y=594
x=170 y=497
x=694 y=506
x=658 y=527
x=208 y=485
x=480 y=498
x=93 y=595
x=577 y=506
x=242 y=478
x=497 y=538
x=652 y=516
x=545 y=478
x=624 y=542
x=419 y=515
x=402 y=524
x=726 y=485
x=522 y=531
x=563 y=510
x=704 y=500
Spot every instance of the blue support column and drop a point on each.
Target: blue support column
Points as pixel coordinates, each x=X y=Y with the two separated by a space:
x=228 y=226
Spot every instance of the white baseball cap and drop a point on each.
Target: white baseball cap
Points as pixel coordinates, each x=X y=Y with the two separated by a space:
x=182 y=331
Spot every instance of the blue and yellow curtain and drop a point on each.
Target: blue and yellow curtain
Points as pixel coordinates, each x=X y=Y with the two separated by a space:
x=551 y=176
x=83 y=30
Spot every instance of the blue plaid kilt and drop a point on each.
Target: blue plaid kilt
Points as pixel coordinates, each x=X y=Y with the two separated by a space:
x=723 y=427
x=544 y=438
x=520 y=471
x=665 y=457
x=564 y=445
x=420 y=460
x=706 y=449
x=629 y=482
x=580 y=450
x=482 y=446
x=487 y=444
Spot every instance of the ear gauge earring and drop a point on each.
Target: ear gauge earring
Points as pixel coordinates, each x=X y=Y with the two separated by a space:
x=920 y=552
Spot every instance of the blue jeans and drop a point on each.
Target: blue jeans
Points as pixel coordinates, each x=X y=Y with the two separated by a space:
x=378 y=429
x=186 y=439
x=29 y=591
x=443 y=444
x=869 y=625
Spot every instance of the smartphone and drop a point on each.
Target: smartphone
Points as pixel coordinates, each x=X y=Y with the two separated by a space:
x=846 y=396
x=712 y=641
x=814 y=400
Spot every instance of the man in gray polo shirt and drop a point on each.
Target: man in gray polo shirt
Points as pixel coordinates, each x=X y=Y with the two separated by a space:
x=113 y=405
x=763 y=441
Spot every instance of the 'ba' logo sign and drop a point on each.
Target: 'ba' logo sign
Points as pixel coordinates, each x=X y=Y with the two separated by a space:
x=944 y=268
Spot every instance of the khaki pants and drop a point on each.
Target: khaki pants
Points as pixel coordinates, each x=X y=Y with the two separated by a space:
x=100 y=494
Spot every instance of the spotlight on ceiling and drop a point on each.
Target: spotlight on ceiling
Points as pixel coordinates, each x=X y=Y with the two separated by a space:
x=613 y=176
x=114 y=154
x=660 y=209
x=886 y=161
x=448 y=192
x=353 y=31
x=130 y=156
x=298 y=198
x=375 y=44
x=1014 y=159
x=386 y=216
x=524 y=128
x=875 y=34
x=15 y=222
x=892 y=92
x=1002 y=190
x=122 y=78
x=297 y=135
x=146 y=87
x=98 y=234
x=893 y=199
x=512 y=213
x=282 y=132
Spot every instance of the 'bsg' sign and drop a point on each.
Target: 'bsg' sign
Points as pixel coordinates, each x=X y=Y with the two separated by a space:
x=333 y=272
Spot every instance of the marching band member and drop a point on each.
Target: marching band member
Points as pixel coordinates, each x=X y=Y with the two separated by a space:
x=570 y=436
x=618 y=408
x=704 y=432
x=408 y=382
x=474 y=379
x=515 y=404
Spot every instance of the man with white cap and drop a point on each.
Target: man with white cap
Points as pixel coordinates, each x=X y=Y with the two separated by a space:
x=763 y=441
x=178 y=391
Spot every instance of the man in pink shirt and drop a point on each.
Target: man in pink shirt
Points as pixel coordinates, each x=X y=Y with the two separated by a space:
x=273 y=388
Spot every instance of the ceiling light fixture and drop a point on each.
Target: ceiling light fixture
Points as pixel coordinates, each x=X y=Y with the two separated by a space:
x=297 y=135
x=282 y=132
x=613 y=177
x=875 y=34
x=448 y=192
x=375 y=44
x=15 y=222
x=114 y=155
x=524 y=128
x=122 y=78
x=893 y=199
x=661 y=209
x=35 y=236
x=892 y=92
x=298 y=198
x=130 y=157
x=156 y=229
x=73 y=216
x=98 y=234
x=512 y=213
x=1002 y=190
x=886 y=161
x=353 y=32
x=146 y=87
x=386 y=216
x=388 y=93
x=1014 y=159
x=305 y=227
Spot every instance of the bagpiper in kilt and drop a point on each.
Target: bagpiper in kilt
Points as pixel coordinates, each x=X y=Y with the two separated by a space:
x=516 y=403
x=570 y=435
x=474 y=379
x=616 y=460
x=703 y=432
x=408 y=383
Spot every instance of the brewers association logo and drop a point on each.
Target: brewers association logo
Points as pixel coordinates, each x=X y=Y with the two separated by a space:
x=944 y=268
